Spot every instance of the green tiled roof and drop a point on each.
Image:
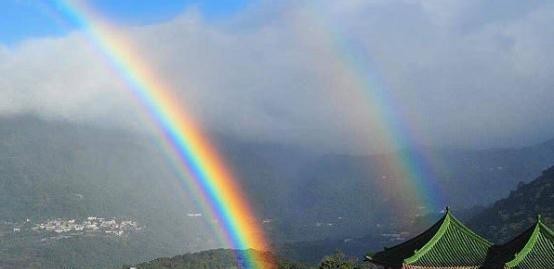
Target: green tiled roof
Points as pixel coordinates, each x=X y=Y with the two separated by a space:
x=533 y=249
x=448 y=243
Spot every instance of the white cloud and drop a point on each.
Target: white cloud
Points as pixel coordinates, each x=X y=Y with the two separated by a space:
x=462 y=73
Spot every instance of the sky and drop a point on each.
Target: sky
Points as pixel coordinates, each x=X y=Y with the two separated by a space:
x=24 y=19
x=329 y=76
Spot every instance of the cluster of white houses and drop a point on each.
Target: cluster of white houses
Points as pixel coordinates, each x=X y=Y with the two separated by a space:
x=109 y=226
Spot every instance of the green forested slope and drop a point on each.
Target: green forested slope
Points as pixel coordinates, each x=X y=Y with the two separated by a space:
x=217 y=259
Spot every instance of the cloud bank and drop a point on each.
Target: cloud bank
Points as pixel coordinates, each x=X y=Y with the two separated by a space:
x=465 y=73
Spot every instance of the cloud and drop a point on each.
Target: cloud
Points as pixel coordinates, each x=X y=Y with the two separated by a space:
x=60 y=78
x=458 y=72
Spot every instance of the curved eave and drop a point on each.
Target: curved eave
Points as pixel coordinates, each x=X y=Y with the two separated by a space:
x=429 y=245
x=380 y=263
x=522 y=254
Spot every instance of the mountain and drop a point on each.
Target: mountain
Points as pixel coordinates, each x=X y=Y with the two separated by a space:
x=54 y=175
x=315 y=196
x=311 y=252
x=227 y=259
x=517 y=212
x=217 y=259
x=499 y=222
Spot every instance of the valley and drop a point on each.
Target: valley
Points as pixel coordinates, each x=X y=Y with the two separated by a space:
x=318 y=201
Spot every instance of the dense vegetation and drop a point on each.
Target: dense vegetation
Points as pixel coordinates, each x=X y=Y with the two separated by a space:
x=226 y=259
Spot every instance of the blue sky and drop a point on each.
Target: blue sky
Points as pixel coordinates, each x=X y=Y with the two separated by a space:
x=23 y=19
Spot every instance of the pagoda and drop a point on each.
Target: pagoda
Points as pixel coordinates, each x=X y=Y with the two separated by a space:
x=532 y=249
x=447 y=244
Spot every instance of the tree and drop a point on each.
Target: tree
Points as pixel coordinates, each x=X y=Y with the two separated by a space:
x=337 y=261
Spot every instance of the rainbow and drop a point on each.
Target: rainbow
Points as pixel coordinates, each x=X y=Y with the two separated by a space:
x=410 y=166
x=408 y=160
x=196 y=156
x=182 y=136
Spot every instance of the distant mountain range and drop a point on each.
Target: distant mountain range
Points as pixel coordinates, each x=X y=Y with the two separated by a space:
x=58 y=170
x=318 y=196
x=500 y=222
x=514 y=214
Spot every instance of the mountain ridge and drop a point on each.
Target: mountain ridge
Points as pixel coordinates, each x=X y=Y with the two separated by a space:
x=56 y=169
x=519 y=210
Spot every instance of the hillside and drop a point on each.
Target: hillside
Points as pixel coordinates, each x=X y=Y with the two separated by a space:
x=312 y=252
x=60 y=172
x=54 y=173
x=216 y=259
x=342 y=196
x=512 y=215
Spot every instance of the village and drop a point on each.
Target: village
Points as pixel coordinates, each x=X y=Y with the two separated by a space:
x=64 y=228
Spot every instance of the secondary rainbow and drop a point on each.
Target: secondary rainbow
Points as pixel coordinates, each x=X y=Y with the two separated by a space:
x=409 y=163
x=408 y=160
x=195 y=154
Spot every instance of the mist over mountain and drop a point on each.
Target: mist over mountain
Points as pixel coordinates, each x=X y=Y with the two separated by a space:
x=342 y=195
x=55 y=175
x=499 y=222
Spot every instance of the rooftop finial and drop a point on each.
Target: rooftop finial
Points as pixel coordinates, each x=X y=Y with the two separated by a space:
x=447 y=209
x=539 y=218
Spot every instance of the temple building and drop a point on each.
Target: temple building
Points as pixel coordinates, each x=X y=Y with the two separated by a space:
x=532 y=249
x=449 y=244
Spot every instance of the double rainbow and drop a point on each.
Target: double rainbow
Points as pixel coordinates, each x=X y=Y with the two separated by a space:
x=195 y=154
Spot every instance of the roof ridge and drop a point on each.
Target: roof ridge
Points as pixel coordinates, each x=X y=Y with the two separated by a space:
x=531 y=241
x=546 y=228
x=470 y=232
x=449 y=220
x=436 y=237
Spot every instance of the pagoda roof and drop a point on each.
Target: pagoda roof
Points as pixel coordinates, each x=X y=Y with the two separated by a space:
x=448 y=243
x=534 y=248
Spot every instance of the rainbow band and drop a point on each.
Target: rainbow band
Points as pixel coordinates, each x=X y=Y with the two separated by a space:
x=408 y=161
x=195 y=153
x=409 y=169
